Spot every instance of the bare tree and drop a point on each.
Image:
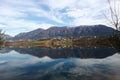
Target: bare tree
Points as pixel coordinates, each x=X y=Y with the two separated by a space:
x=114 y=17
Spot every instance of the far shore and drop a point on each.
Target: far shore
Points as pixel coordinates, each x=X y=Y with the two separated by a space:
x=65 y=42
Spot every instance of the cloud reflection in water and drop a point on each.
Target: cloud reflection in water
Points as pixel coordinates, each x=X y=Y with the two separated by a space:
x=16 y=66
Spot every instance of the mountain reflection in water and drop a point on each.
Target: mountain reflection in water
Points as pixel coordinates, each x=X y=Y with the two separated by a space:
x=65 y=52
x=36 y=63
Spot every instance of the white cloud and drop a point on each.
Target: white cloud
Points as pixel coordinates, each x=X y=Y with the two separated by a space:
x=27 y=24
x=87 y=21
x=24 y=26
x=30 y=14
x=2 y=26
x=2 y=62
x=60 y=4
x=6 y=11
x=15 y=15
x=46 y=59
x=22 y=60
x=76 y=13
x=15 y=26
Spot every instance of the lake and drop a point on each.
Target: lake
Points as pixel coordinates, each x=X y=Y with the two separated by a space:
x=40 y=63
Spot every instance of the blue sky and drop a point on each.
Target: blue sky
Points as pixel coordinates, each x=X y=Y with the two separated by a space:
x=25 y=15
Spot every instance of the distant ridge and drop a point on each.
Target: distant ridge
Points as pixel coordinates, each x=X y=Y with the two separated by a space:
x=65 y=32
x=7 y=37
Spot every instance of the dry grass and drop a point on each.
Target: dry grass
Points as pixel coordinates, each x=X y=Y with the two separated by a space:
x=46 y=43
x=76 y=42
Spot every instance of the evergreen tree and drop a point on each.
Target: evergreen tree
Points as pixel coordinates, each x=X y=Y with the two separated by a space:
x=1 y=37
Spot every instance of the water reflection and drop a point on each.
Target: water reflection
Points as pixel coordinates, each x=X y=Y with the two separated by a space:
x=17 y=64
x=65 y=52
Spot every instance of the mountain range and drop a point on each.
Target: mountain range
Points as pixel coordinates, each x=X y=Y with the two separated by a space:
x=64 y=32
x=7 y=37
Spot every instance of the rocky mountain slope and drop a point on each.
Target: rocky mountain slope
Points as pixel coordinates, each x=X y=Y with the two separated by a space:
x=65 y=32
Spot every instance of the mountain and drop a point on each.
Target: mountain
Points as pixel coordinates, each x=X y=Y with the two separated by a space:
x=7 y=37
x=64 y=32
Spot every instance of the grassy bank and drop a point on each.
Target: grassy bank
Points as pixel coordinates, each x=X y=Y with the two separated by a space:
x=45 y=43
x=92 y=42
x=67 y=42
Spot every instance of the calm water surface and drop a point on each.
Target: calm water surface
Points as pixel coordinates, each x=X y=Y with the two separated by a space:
x=36 y=63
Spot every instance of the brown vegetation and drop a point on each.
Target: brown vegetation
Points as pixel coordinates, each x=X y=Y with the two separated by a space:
x=74 y=42
x=92 y=42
